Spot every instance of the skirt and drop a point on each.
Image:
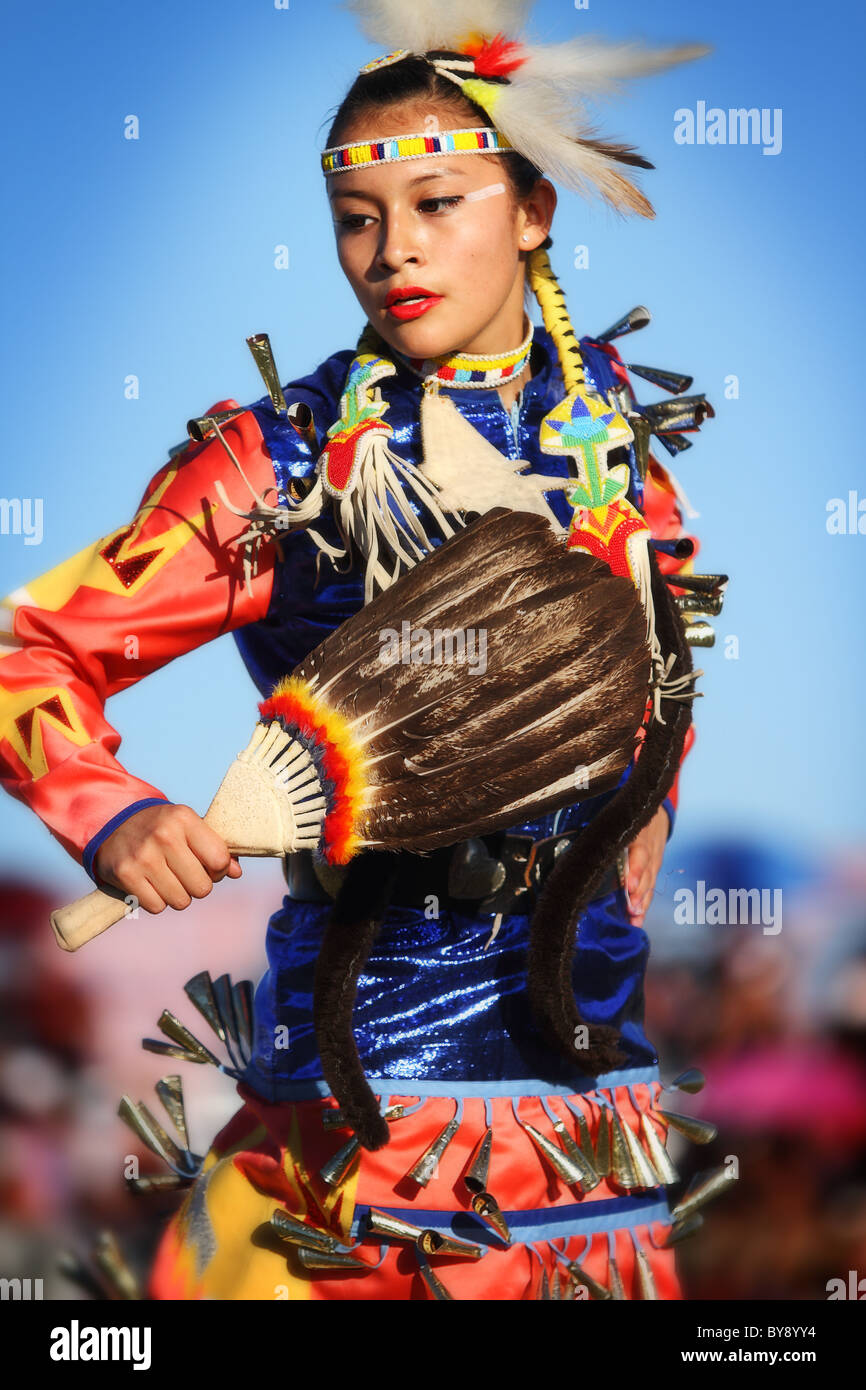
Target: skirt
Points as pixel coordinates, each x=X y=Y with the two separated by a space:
x=537 y=1195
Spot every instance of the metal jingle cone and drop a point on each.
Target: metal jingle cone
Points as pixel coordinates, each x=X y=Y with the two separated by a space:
x=427 y=1165
x=556 y=1285
x=697 y=584
x=178 y=1033
x=476 y=1174
x=151 y=1134
x=172 y=1050
x=631 y=322
x=435 y=1243
x=301 y=420
x=578 y=1275
x=157 y=1182
x=585 y=1144
x=602 y=1147
x=562 y=1164
x=682 y=548
x=704 y=1188
x=336 y=1168
x=382 y=1223
x=673 y=442
x=661 y=1159
x=647 y=1284
x=675 y=382
x=336 y=1119
x=297 y=1232
x=711 y=604
x=199 y=990
x=588 y=1176
x=328 y=1259
x=543 y=1287
x=199 y=428
x=620 y=398
x=622 y=1167
x=111 y=1264
x=170 y=1091
x=692 y=1079
x=259 y=345
x=617 y=1289
x=681 y=1230
x=222 y=990
x=242 y=994
x=646 y=1174
x=434 y=1283
x=699 y=635
x=487 y=1207
x=190 y=1163
x=72 y=1267
x=686 y=413
x=699 y=1131
x=642 y=430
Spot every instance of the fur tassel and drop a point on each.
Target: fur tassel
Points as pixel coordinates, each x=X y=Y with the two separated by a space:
x=581 y=869
x=346 y=944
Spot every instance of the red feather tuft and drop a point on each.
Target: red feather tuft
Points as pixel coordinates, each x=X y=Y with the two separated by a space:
x=495 y=57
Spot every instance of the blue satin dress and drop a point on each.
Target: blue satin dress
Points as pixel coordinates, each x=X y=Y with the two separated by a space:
x=439 y=1013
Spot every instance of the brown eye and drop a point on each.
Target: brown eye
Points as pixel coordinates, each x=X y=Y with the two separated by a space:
x=437 y=204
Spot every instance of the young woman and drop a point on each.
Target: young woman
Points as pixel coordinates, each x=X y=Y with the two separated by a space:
x=512 y=1169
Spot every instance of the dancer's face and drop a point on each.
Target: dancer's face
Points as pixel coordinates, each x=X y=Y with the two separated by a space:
x=449 y=225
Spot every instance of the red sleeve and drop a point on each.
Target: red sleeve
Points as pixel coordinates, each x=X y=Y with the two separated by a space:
x=160 y=585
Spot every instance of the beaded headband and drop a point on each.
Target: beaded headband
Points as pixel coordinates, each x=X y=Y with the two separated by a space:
x=362 y=153
x=533 y=95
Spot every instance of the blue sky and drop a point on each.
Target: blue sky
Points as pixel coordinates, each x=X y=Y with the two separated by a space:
x=155 y=257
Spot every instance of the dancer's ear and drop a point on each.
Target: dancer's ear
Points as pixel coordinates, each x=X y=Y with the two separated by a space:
x=535 y=215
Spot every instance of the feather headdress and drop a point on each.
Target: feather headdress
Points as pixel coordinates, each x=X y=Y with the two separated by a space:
x=535 y=94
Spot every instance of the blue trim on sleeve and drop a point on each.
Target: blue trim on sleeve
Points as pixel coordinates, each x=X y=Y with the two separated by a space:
x=672 y=815
x=102 y=835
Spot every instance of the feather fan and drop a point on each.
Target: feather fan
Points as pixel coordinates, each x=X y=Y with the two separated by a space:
x=452 y=746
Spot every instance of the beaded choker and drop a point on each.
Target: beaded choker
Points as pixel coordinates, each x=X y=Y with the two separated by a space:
x=471 y=370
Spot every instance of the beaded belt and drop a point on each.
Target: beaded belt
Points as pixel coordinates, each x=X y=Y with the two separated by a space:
x=500 y=873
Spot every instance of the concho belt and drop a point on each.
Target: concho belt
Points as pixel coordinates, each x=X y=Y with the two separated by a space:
x=492 y=874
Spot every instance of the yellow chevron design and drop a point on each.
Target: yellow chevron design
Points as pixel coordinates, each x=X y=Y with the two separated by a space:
x=15 y=703
x=55 y=588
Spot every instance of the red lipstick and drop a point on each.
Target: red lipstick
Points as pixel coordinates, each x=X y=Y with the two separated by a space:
x=410 y=301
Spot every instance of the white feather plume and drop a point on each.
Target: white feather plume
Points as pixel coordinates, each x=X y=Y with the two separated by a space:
x=592 y=65
x=542 y=107
x=538 y=121
x=420 y=25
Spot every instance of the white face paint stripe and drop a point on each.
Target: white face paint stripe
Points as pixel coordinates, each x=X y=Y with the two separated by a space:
x=488 y=192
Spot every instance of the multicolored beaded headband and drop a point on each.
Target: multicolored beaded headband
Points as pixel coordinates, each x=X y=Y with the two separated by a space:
x=362 y=153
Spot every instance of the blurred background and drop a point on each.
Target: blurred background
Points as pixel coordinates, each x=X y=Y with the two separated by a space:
x=133 y=270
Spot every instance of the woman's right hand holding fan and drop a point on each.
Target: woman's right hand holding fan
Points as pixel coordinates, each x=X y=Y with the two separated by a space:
x=165 y=856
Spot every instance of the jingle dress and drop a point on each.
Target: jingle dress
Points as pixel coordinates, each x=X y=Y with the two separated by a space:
x=441 y=1016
